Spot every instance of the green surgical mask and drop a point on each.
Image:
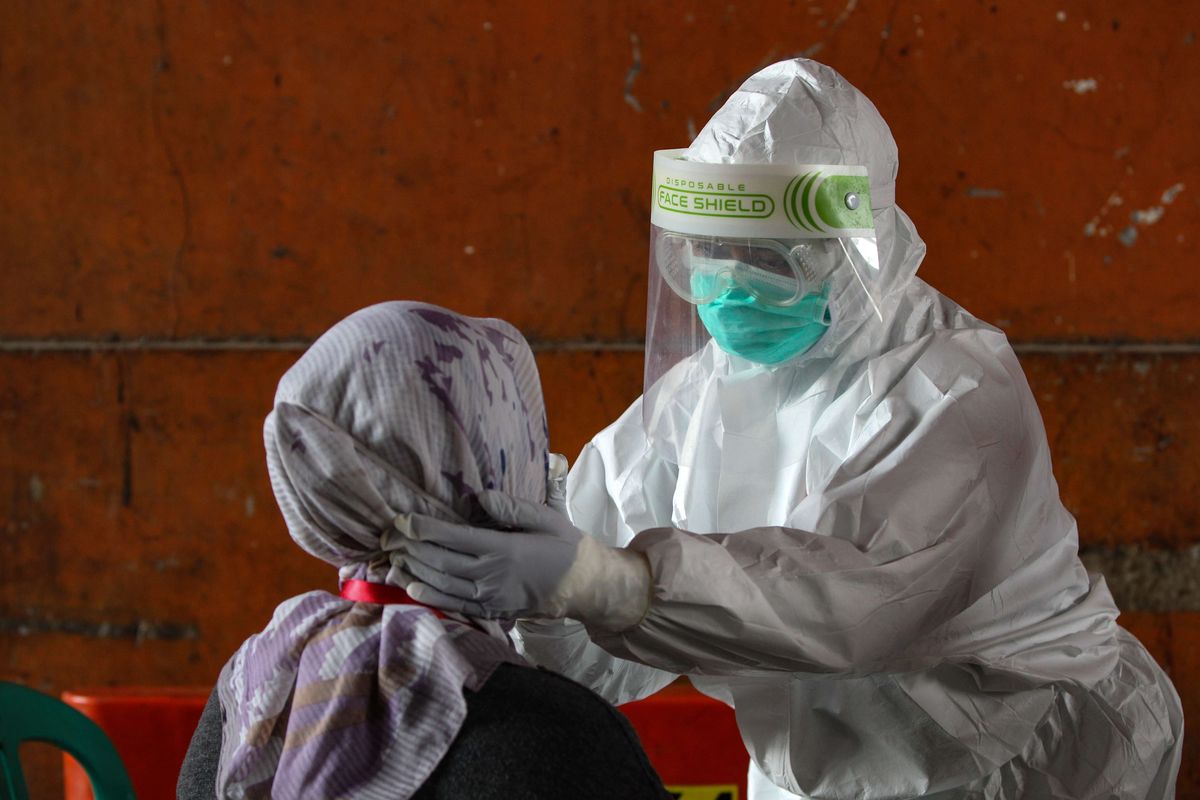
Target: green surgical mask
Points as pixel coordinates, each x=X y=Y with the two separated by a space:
x=763 y=333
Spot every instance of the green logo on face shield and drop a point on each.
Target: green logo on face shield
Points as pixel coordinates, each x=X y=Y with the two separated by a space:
x=715 y=204
x=762 y=333
x=817 y=203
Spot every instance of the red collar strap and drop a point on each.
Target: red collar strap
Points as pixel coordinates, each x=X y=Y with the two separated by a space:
x=381 y=594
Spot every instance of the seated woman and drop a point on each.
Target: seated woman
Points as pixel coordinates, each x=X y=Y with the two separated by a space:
x=401 y=408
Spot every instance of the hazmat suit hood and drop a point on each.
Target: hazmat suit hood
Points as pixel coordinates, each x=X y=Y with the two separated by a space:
x=802 y=112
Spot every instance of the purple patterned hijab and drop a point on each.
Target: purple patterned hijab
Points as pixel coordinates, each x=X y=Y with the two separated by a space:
x=400 y=407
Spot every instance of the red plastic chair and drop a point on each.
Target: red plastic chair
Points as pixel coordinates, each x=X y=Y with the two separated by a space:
x=151 y=729
x=693 y=742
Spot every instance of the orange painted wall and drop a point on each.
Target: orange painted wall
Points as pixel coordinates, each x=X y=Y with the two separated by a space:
x=190 y=191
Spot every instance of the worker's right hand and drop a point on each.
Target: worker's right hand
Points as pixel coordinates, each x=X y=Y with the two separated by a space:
x=487 y=572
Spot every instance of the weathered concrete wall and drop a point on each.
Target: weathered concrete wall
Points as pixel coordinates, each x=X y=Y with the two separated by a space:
x=189 y=192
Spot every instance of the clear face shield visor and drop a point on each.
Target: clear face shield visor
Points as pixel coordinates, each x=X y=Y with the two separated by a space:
x=763 y=259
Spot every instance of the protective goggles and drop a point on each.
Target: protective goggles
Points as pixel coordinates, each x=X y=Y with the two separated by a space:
x=699 y=269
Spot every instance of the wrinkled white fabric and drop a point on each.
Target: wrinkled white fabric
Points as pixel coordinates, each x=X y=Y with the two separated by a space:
x=863 y=550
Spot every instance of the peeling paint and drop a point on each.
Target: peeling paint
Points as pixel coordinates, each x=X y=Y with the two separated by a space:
x=845 y=15
x=37 y=490
x=1169 y=195
x=1128 y=236
x=975 y=191
x=1148 y=216
x=250 y=505
x=1093 y=226
x=1081 y=85
x=634 y=70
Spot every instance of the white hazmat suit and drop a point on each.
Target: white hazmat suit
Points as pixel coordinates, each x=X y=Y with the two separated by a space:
x=863 y=549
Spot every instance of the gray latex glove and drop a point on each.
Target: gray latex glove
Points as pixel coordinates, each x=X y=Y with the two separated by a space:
x=539 y=566
x=484 y=572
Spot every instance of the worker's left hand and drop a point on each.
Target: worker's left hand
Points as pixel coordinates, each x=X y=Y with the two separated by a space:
x=490 y=573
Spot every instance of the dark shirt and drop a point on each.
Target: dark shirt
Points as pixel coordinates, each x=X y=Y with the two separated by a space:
x=528 y=733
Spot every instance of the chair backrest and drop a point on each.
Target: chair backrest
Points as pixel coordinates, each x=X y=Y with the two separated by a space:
x=29 y=716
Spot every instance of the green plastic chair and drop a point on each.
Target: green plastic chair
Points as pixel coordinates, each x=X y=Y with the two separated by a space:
x=29 y=716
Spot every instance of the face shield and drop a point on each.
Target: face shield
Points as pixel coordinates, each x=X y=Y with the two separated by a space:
x=765 y=260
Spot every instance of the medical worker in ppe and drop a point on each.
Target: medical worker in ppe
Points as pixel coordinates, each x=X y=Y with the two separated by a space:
x=833 y=506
